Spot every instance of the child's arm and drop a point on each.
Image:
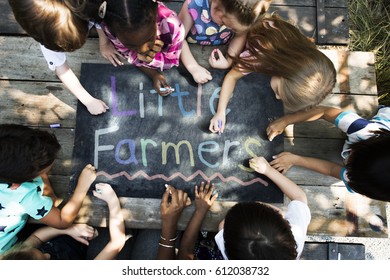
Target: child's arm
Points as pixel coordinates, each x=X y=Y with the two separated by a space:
x=69 y=79
x=199 y=73
x=283 y=161
x=277 y=127
x=228 y=85
x=48 y=189
x=288 y=187
x=171 y=209
x=218 y=60
x=107 y=50
x=80 y=232
x=116 y=222
x=204 y=199
x=64 y=218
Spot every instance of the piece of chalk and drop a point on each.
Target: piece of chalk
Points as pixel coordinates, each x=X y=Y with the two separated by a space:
x=166 y=186
x=219 y=127
x=166 y=89
x=55 y=125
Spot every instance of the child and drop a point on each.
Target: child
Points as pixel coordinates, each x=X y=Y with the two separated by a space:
x=216 y=22
x=204 y=199
x=147 y=34
x=301 y=75
x=79 y=232
x=366 y=152
x=26 y=156
x=257 y=231
x=253 y=230
x=172 y=205
x=60 y=26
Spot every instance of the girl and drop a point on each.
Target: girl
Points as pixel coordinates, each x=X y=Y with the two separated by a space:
x=147 y=34
x=251 y=230
x=216 y=22
x=63 y=248
x=26 y=157
x=301 y=75
x=60 y=26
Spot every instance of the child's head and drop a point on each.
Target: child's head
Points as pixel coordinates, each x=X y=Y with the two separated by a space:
x=22 y=251
x=278 y=48
x=133 y=22
x=25 y=152
x=254 y=231
x=237 y=15
x=368 y=166
x=55 y=24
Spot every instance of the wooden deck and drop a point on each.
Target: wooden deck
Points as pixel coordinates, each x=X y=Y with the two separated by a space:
x=32 y=95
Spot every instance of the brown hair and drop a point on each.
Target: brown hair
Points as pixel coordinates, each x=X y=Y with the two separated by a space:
x=55 y=24
x=277 y=48
x=256 y=231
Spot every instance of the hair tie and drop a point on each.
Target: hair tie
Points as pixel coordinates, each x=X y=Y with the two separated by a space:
x=102 y=9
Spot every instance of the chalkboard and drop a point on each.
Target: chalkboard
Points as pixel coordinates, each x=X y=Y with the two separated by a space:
x=145 y=141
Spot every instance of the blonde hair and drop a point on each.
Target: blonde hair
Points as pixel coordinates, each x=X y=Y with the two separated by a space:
x=246 y=11
x=53 y=23
x=277 y=48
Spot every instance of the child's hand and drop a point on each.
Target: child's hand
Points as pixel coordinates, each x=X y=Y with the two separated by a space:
x=160 y=83
x=109 y=52
x=172 y=208
x=217 y=60
x=87 y=176
x=217 y=123
x=284 y=161
x=105 y=192
x=259 y=164
x=200 y=74
x=276 y=127
x=149 y=55
x=82 y=233
x=96 y=106
x=204 y=197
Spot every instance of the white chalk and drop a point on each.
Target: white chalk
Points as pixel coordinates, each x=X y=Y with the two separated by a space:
x=166 y=89
x=55 y=125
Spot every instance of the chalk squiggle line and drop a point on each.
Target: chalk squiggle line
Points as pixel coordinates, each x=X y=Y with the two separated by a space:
x=178 y=174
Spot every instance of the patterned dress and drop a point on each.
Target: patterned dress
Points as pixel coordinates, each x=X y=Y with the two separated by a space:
x=170 y=30
x=205 y=31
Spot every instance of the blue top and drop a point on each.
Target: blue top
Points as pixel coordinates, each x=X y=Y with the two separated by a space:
x=17 y=205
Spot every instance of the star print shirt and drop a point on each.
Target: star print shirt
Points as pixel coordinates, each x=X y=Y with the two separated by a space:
x=205 y=31
x=170 y=31
x=17 y=205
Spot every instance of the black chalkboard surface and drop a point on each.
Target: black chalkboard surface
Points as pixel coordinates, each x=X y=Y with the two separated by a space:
x=146 y=141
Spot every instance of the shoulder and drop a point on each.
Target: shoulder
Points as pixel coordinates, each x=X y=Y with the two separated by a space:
x=54 y=59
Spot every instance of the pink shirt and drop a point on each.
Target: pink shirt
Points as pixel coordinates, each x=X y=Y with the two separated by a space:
x=170 y=30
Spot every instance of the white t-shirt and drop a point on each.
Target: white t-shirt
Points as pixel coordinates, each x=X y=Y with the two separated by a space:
x=298 y=215
x=56 y=59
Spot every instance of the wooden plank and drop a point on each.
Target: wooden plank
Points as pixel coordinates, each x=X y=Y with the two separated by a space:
x=37 y=103
x=327 y=205
x=321 y=25
x=356 y=70
x=335 y=22
x=310 y=3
